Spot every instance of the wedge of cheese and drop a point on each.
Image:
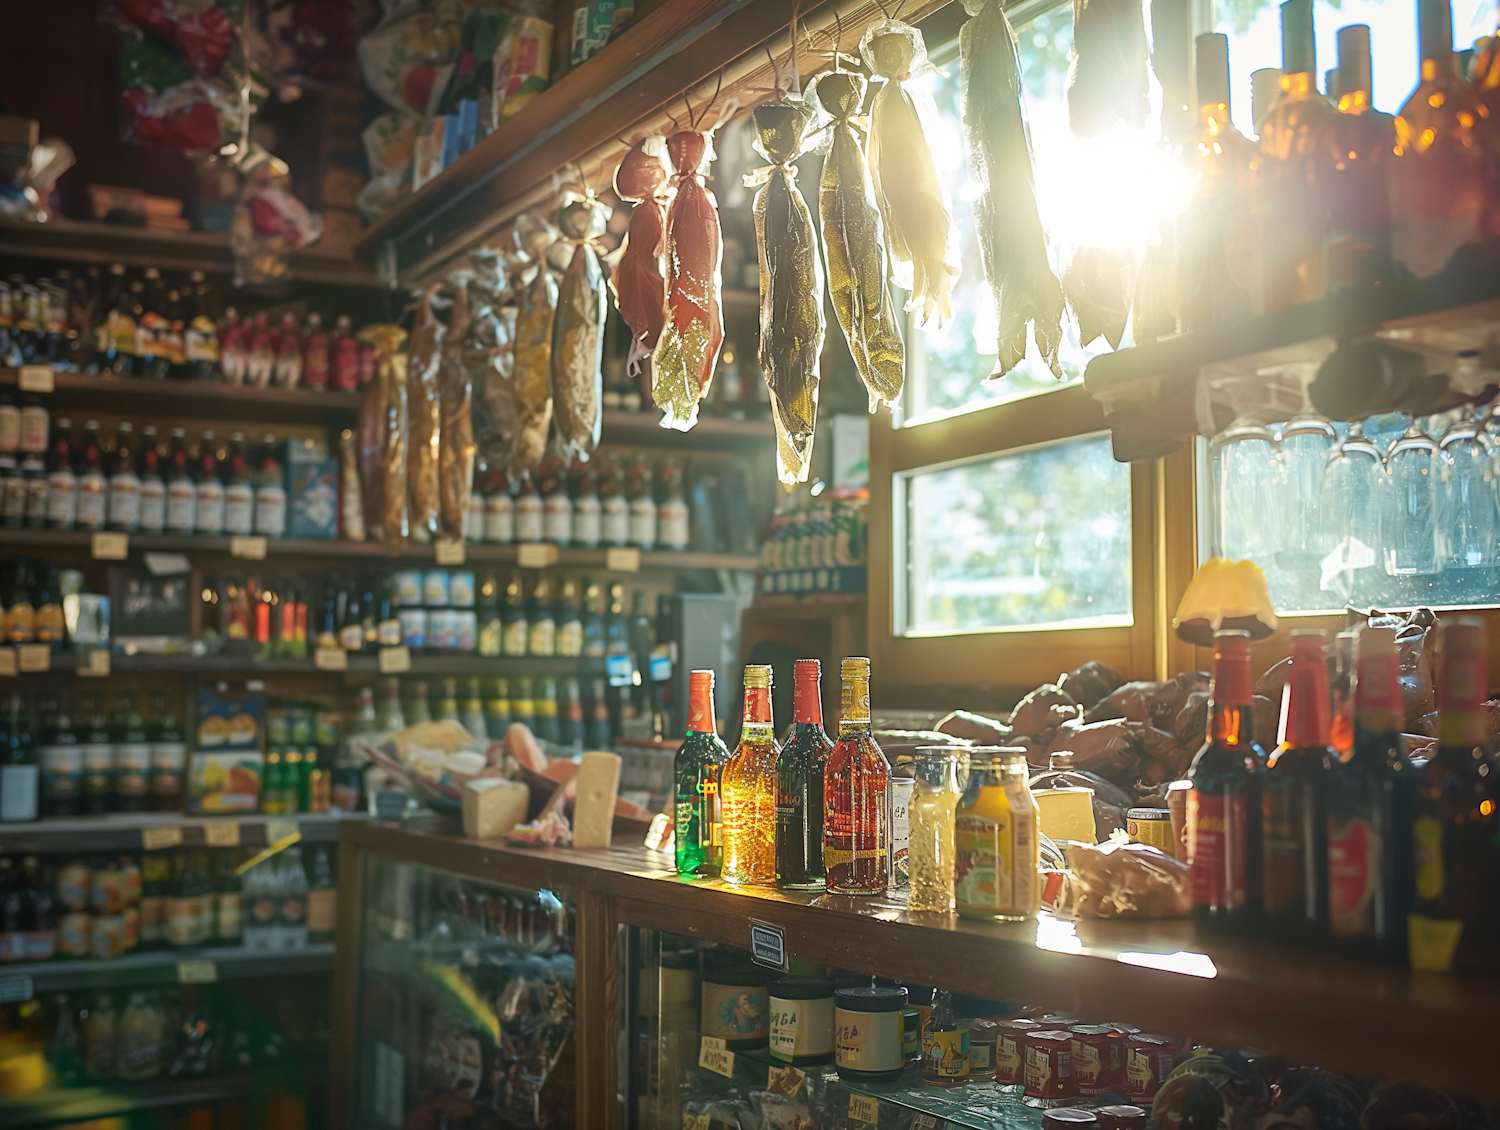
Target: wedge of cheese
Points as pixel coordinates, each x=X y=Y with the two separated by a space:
x=1067 y=814
x=598 y=782
x=493 y=806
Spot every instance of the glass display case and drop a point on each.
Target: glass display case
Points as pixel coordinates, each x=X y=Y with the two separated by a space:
x=464 y=1002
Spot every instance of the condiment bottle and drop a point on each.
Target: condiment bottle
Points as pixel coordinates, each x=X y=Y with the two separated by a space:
x=747 y=787
x=945 y=1062
x=941 y=774
x=996 y=839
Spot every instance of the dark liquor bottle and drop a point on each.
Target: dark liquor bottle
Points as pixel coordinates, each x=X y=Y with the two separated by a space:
x=132 y=755
x=168 y=756
x=799 y=785
x=125 y=484
x=62 y=765
x=98 y=746
x=1294 y=825
x=1455 y=920
x=695 y=771
x=1223 y=805
x=20 y=770
x=856 y=795
x=1370 y=797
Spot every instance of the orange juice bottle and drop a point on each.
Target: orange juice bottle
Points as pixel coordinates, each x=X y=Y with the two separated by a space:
x=997 y=839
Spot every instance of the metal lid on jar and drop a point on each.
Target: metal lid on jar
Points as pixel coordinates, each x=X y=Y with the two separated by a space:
x=801 y=988
x=1049 y=1037
x=1121 y=1118
x=1068 y=1118
x=871 y=998
x=978 y=1026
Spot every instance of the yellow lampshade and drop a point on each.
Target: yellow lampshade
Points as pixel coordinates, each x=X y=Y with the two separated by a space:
x=1224 y=594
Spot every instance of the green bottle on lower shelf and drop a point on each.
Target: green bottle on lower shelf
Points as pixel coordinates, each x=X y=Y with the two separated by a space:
x=699 y=833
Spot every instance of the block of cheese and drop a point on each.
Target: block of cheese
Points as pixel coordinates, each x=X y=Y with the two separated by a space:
x=493 y=806
x=598 y=781
x=1067 y=814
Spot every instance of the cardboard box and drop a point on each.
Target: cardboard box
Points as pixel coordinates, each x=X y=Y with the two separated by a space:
x=224 y=782
x=224 y=770
x=312 y=499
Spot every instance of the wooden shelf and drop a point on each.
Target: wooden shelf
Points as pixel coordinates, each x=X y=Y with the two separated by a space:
x=374 y=551
x=458 y=663
x=122 y=831
x=710 y=433
x=1157 y=975
x=74 y=241
x=159 y=967
x=111 y=1102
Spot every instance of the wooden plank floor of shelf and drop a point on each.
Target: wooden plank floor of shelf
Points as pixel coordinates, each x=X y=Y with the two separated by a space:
x=97 y=1102
x=1156 y=975
x=160 y=967
x=130 y=831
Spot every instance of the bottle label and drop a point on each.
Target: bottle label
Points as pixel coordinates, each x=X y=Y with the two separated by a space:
x=92 y=492
x=230 y=915
x=10 y=427
x=499 y=519
x=62 y=499
x=474 y=518
x=587 y=521
x=351 y=637
x=615 y=521
x=49 y=624
x=132 y=768
x=168 y=757
x=239 y=509
x=541 y=638
x=388 y=633
x=1353 y=867
x=643 y=523
x=38 y=498
x=979 y=880
x=528 y=519
x=182 y=505
x=15 y=499
x=557 y=519
x=99 y=760
x=1217 y=841
x=153 y=919
x=514 y=637
x=570 y=638
x=34 y=423
x=1427 y=837
x=62 y=771
x=18 y=792
x=153 y=505
x=125 y=501
x=948 y=1057
x=208 y=515
x=270 y=510
x=322 y=910
x=293 y=911
x=672 y=524
x=182 y=921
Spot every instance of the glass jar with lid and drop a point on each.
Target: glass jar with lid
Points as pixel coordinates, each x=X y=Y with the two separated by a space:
x=996 y=838
x=941 y=777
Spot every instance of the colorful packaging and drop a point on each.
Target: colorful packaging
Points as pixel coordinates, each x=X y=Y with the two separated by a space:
x=522 y=66
x=596 y=22
x=313 y=499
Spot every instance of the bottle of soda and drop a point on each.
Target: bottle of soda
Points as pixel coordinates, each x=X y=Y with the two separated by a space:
x=1294 y=860
x=695 y=770
x=1223 y=806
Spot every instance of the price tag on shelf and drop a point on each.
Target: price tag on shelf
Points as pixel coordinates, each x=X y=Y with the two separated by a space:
x=8 y=663
x=395 y=660
x=536 y=555
x=221 y=833
x=13 y=989
x=94 y=663
x=767 y=945
x=111 y=547
x=863 y=1108
x=716 y=1059
x=697 y=1122
x=252 y=549
x=197 y=972
x=37 y=378
x=278 y=830
x=449 y=552
x=35 y=657
x=331 y=659
x=785 y=1080
x=622 y=560
x=927 y=1122
x=154 y=839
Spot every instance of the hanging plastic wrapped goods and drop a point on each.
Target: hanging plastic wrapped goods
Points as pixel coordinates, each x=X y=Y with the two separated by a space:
x=490 y=358
x=1007 y=226
x=683 y=364
x=639 y=287
x=854 y=242
x=791 y=285
x=424 y=420
x=1107 y=83
x=913 y=200
x=382 y=436
x=533 y=350
x=456 y=436
x=578 y=330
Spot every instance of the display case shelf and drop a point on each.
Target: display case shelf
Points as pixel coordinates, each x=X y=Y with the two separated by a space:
x=161 y=967
x=210 y=666
x=130 y=831
x=93 y=1104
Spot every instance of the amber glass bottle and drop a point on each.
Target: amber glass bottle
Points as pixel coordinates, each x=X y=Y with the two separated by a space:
x=1358 y=141
x=747 y=786
x=856 y=795
x=799 y=785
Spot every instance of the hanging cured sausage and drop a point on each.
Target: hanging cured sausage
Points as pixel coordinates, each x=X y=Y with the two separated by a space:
x=1012 y=246
x=913 y=200
x=854 y=243
x=456 y=439
x=791 y=285
x=682 y=365
x=490 y=358
x=1107 y=83
x=637 y=281
x=578 y=330
x=424 y=418
x=533 y=351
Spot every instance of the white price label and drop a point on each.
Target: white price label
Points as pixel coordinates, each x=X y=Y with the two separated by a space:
x=37 y=378
x=35 y=657
x=221 y=833
x=622 y=560
x=718 y=1060
x=94 y=663
x=395 y=660
x=197 y=972
x=252 y=549
x=449 y=552
x=8 y=664
x=154 y=839
x=863 y=1108
x=279 y=830
x=536 y=555
x=331 y=659
x=111 y=547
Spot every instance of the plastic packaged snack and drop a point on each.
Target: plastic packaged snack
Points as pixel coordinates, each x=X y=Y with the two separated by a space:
x=424 y=422
x=1117 y=880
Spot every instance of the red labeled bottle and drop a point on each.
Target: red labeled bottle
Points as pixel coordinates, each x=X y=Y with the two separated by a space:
x=1294 y=827
x=856 y=795
x=1223 y=805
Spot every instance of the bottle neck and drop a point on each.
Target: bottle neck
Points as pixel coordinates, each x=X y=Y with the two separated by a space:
x=756 y=720
x=807 y=702
x=1462 y=717
x=1213 y=117
x=1377 y=695
x=1232 y=725
x=1299 y=86
x=854 y=714
x=1305 y=719
x=701 y=711
x=1355 y=102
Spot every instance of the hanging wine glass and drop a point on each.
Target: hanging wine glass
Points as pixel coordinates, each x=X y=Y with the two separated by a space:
x=1468 y=517
x=1352 y=489
x=1247 y=492
x=1408 y=530
x=1307 y=442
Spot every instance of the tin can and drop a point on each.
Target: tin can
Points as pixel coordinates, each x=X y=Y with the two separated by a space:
x=1010 y=1051
x=1091 y=1059
x=435 y=590
x=414 y=627
x=1148 y=1061
x=461 y=588
x=1152 y=827
x=442 y=629
x=1047 y=1073
x=409 y=586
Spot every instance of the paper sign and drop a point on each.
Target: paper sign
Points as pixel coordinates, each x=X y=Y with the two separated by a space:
x=926 y=1122
x=111 y=547
x=166 y=564
x=717 y=1060
x=8 y=664
x=15 y=989
x=36 y=378
x=253 y=549
x=221 y=833
x=394 y=660
x=622 y=560
x=689 y=1121
x=449 y=552
x=767 y=945
x=94 y=663
x=331 y=659
x=785 y=1080
x=278 y=830
x=197 y=972
x=863 y=1108
x=536 y=555
x=35 y=657
x=154 y=839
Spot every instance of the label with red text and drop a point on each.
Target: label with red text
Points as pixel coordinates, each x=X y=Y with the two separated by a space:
x=1217 y=850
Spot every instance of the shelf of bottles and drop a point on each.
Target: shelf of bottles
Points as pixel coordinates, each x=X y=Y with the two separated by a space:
x=137 y=831
x=164 y=967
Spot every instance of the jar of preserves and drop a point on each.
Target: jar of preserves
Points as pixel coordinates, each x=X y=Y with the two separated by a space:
x=1148 y=1061
x=1010 y=1051
x=1047 y=1072
x=983 y=1036
x=1091 y=1059
x=802 y=1020
x=736 y=1007
x=869 y=1030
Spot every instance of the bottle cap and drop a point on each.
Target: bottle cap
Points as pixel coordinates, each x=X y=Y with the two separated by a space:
x=1354 y=58
x=1461 y=683
x=1434 y=29
x=855 y=667
x=807 y=669
x=1298 y=47
x=1213 y=68
x=757 y=676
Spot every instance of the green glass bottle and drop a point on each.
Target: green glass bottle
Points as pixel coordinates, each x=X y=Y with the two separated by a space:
x=696 y=769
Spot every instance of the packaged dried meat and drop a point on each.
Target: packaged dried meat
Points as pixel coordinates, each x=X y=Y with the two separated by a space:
x=578 y=328
x=536 y=311
x=456 y=432
x=424 y=421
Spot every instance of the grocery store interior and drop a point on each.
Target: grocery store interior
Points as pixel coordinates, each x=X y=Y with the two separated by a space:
x=749 y=564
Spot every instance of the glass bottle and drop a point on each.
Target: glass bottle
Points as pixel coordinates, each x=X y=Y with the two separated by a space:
x=514 y=627
x=1295 y=170
x=473 y=714
x=153 y=487
x=996 y=839
x=229 y=903
x=1371 y=791
x=1408 y=529
x=1455 y=920
x=856 y=795
x=12 y=492
x=557 y=507
x=1223 y=805
x=168 y=755
x=528 y=507
x=20 y=768
x=672 y=514
x=417 y=708
x=747 y=788
x=182 y=492
x=545 y=722
x=208 y=511
x=447 y=710
x=497 y=710
x=117 y=332
x=62 y=765
x=1359 y=141
x=541 y=629
x=614 y=509
x=322 y=897
x=799 y=785
x=132 y=755
x=239 y=493
x=696 y=770
x=593 y=621
x=488 y=630
x=642 y=503
x=587 y=516
x=93 y=488
x=941 y=779
x=570 y=714
x=569 y=623
x=499 y=511
x=392 y=717
x=124 y=483
x=34 y=489
x=945 y=1052
x=1350 y=499
x=50 y=626
x=62 y=483
x=1294 y=822
x=598 y=730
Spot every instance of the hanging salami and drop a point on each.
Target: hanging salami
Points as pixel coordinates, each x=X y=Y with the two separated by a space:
x=424 y=417
x=639 y=287
x=533 y=351
x=578 y=330
x=490 y=358
x=456 y=438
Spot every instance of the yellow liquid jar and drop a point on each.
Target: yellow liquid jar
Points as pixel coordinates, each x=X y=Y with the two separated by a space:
x=996 y=839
